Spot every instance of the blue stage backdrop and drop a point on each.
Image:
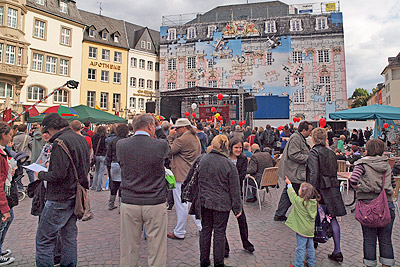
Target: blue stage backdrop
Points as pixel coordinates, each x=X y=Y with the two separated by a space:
x=272 y=107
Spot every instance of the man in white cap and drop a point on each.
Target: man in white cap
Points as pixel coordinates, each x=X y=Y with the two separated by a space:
x=185 y=148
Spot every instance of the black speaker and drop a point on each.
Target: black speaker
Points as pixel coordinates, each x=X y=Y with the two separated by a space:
x=170 y=107
x=250 y=104
x=150 y=107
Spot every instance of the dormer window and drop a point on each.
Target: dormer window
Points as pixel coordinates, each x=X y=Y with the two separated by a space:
x=191 y=33
x=104 y=35
x=210 y=31
x=91 y=32
x=116 y=38
x=171 y=34
x=295 y=25
x=270 y=26
x=63 y=6
x=321 y=23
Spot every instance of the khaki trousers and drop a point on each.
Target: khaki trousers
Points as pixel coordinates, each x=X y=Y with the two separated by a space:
x=154 y=219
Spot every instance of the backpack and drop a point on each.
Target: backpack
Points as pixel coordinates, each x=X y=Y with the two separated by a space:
x=323 y=230
x=269 y=137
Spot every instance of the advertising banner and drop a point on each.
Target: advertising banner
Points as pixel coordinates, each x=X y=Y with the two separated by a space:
x=329 y=7
x=303 y=9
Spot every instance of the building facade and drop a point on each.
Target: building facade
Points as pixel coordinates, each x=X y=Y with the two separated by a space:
x=104 y=64
x=143 y=67
x=13 y=53
x=392 y=82
x=54 y=29
x=265 y=48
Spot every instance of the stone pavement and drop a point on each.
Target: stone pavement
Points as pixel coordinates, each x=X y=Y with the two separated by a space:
x=275 y=244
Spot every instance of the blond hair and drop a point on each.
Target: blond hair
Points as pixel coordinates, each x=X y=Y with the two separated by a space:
x=342 y=137
x=319 y=136
x=221 y=143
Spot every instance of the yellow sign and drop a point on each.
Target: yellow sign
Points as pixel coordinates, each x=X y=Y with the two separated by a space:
x=330 y=7
x=105 y=65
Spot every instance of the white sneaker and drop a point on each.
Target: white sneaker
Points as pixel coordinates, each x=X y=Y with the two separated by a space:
x=5 y=260
x=6 y=253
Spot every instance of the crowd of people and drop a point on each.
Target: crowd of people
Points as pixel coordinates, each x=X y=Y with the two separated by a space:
x=209 y=162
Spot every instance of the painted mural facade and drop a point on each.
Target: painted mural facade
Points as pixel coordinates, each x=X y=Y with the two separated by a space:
x=299 y=55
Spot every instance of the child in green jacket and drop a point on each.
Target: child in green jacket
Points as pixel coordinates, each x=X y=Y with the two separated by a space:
x=302 y=220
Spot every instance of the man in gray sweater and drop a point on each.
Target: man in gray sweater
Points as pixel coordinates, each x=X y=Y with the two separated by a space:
x=143 y=193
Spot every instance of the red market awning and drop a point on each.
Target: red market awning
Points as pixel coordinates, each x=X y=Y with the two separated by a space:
x=33 y=112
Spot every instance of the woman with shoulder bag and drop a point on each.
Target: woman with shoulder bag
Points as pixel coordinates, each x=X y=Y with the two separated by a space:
x=322 y=174
x=99 y=154
x=367 y=178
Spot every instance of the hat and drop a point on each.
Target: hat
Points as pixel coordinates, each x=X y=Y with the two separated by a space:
x=182 y=122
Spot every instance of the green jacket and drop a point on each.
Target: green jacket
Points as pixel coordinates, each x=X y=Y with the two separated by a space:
x=340 y=145
x=302 y=217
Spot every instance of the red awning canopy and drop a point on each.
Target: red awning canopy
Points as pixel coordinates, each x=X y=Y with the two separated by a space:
x=33 y=112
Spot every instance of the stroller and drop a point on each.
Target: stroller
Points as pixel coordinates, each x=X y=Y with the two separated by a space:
x=20 y=157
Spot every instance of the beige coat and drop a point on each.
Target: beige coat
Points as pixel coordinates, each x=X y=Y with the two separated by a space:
x=184 y=150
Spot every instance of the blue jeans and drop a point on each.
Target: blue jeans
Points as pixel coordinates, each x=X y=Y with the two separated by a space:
x=303 y=244
x=4 y=228
x=384 y=235
x=100 y=168
x=57 y=218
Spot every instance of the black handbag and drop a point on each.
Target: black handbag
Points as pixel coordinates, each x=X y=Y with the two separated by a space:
x=12 y=198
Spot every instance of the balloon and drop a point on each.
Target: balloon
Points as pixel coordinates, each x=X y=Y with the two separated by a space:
x=194 y=106
x=187 y=113
x=212 y=109
x=294 y=119
x=322 y=122
x=386 y=125
x=217 y=115
x=220 y=118
x=220 y=96
x=233 y=123
x=244 y=122
x=280 y=128
x=194 y=115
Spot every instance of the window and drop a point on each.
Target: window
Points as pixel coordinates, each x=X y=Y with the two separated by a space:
x=35 y=93
x=10 y=54
x=141 y=83
x=269 y=58
x=104 y=35
x=171 y=85
x=6 y=90
x=148 y=46
x=61 y=96
x=104 y=100
x=323 y=56
x=91 y=74
x=191 y=62
x=270 y=26
x=1 y=52
x=51 y=64
x=149 y=65
x=64 y=66
x=40 y=2
x=321 y=23
x=191 y=84
x=142 y=62
x=37 y=62
x=116 y=39
x=117 y=77
x=91 y=99
x=149 y=84
x=117 y=57
x=63 y=6
x=295 y=25
x=191 y=33
x=143 y=44
x=133 y=62
x=171 y=34
x=132 y=102
x=141 y=103
x=21 y=22
x=116 y=102
x=91 y=32
x=92 y=52
x=212 y=84
x=104 y=76
x=172 y=64
x=40 y=28
x=298 y=96
x=157 y=66
x=12 y=18
x=19 y=58
x=326 y=81
x=210 y=63
x=210 y=30
x=132 y=82
x=156 y=85
x=1 y=15
x=65 y=36
x=105 y=54
x=297 y=57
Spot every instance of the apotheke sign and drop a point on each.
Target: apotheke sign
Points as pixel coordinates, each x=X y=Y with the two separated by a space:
x=105 y=65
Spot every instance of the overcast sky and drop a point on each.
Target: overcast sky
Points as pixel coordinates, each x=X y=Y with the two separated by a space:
x=371 y=28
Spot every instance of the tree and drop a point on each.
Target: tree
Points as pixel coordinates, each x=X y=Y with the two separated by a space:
x=359 y=92
x=359 y=97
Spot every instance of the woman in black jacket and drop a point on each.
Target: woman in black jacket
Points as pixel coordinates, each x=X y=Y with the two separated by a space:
x=99 y=153
x=322 y=174
x=219 y=193
x=240 y=160
x=121 y=131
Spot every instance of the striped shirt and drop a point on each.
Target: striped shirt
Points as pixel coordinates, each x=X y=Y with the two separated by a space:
x=359 y=171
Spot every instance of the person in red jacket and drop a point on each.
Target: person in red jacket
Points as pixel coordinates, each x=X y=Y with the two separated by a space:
x=7 y=214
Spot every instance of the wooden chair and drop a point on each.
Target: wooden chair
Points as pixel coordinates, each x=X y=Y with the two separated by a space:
x=395 y=195
x=269 y=179
x=342 y=167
